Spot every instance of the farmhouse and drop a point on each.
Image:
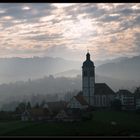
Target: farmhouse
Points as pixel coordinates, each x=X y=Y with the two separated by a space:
x=127 y=99
x=137 y=98
x=46 y=112
x=78 y=102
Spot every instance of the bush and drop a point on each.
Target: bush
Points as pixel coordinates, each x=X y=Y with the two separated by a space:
x=87 y=116
x=138 y=111
x=7 y=116
x=116 y=104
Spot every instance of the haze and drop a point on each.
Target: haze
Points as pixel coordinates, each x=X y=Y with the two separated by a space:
x=42 y=39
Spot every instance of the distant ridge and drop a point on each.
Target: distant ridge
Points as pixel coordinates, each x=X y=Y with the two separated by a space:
x=125 y=69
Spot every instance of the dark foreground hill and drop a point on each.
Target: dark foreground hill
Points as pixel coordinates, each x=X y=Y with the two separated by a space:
x=126 y=124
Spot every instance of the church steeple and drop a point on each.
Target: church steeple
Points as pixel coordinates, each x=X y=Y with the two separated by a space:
x=88 y=79
x=88 y=56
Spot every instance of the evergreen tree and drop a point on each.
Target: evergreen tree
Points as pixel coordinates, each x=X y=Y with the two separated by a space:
x=21 y=107
x=28 y=105
x=37 y=105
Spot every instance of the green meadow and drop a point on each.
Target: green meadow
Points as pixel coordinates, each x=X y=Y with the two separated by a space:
x=127 y=124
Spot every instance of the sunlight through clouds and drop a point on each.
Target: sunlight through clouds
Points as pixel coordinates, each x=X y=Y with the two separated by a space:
x=110 y=29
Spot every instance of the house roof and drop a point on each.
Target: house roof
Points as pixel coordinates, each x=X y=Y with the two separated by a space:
x=137 y=93
x=103 y=89
x=81 y=99
x=124 y=92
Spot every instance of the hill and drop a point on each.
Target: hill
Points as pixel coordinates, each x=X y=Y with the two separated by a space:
x=125 y=69
x=16 y=69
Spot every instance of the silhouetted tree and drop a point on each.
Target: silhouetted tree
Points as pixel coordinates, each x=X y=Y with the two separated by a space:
x=42 y=103
x=28 y=105
x=37 y=105
x=21 y=107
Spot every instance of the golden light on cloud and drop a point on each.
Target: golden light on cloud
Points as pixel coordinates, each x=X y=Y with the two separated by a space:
x=26 y=8
x=135 y=7
x=7 y=18
x=47 y=18
x=81 y=28
x=62 y=5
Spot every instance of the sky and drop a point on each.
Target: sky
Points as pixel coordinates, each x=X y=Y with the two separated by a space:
x=68 y=30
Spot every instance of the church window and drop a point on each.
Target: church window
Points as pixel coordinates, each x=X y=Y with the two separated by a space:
x=104 y=99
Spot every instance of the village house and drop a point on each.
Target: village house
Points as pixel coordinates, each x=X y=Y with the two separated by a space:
x=78 y=102
x=137 y=98
x=36 y=114
x=127 y=99
x=46 y=112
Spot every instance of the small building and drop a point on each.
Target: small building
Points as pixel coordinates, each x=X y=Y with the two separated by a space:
x=61 y=116
x=78 y=102
x=25 y=116
x=36 y=114
x=127 y=99
x=137 y=98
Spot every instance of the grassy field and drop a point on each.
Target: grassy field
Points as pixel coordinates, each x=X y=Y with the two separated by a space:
x=128 y=124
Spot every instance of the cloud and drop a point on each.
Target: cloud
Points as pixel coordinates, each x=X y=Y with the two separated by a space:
x=45 y=37
x=67 y=30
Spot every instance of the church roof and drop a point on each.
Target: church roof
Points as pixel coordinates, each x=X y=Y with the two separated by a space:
x=104 y=89
x=81 y=100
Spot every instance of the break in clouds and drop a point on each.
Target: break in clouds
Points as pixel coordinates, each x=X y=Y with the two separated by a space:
x=108 y=30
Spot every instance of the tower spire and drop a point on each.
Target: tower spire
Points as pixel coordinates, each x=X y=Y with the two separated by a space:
x=88 y=55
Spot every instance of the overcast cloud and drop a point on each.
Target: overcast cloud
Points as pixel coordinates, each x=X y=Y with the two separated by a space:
x=68 y=30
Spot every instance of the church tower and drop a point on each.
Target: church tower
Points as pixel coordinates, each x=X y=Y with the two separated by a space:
x=88 y=80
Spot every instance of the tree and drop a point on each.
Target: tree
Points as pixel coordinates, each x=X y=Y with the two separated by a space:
x=116 y=104
x=42 y=103
x=21 y=107
x=28 y=105
x=37 y=105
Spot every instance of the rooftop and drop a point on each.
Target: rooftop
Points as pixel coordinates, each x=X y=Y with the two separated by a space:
x=103 y=88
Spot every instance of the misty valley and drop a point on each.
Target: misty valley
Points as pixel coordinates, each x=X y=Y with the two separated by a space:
x=26 y=77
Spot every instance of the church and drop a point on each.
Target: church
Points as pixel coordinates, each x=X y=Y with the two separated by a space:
x=93 y=94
